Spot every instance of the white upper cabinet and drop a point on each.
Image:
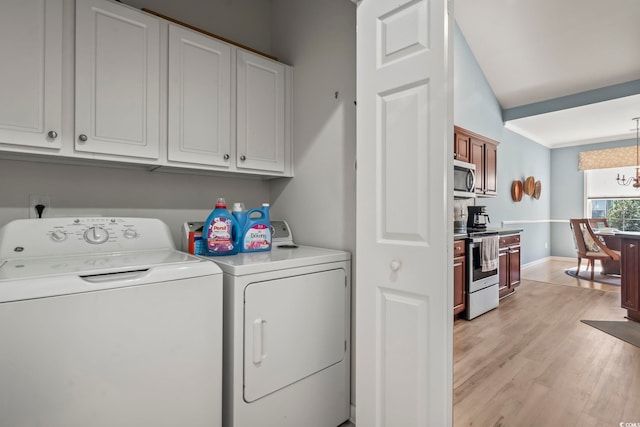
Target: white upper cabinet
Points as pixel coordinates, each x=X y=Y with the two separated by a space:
x=117 y=80
x=147 y=91
x=199 y=107
x=31 y=73
x=260 y=129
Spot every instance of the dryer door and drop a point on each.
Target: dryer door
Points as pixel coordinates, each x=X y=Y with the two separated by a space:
x=293 y=328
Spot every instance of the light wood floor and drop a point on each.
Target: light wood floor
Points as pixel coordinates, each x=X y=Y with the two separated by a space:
x=531 y=362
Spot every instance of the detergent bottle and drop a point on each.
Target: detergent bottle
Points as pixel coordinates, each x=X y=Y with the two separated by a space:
x=240 y=215
x=256 y=231
x=220 y=231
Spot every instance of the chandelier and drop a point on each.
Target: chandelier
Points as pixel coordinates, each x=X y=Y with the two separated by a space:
x=634 y=179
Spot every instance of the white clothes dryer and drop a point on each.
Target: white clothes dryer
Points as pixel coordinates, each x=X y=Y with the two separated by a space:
x=104 y=323
x=286 y=335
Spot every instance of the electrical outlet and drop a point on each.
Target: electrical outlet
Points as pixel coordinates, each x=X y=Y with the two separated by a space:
x=35 y=200
x=546 y=245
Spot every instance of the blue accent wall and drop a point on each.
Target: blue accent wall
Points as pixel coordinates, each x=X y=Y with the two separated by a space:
x=477 y=109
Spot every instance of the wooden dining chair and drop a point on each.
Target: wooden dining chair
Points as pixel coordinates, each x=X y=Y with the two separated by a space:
x=589 y=246
x=598 y=222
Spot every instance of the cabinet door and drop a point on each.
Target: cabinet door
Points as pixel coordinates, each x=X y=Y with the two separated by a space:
x=514 y=266
x=459 y=294
x=503 y=271
x=477 y=158
x=199 y=98
x=461 y=147
x=630 y=264
x=260 y=113
x=117 y=80
x=490 y=169
x=31 y=72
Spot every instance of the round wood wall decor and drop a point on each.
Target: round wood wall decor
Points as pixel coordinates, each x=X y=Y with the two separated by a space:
x=516 y=190
x=529 y=185
x=537 y=190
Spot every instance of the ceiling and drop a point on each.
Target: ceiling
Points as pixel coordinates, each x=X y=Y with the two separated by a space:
x=565 y=72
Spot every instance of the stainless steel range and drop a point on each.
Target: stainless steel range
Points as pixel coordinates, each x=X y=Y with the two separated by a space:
x=481 y=277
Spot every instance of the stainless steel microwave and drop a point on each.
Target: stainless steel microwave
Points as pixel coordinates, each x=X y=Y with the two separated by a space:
x=464 y=179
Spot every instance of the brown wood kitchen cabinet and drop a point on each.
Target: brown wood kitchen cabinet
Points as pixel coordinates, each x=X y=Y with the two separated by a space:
x=482 y=152
x=630 y=274
x=459 y=281
x=461 y=145
x=509 y=264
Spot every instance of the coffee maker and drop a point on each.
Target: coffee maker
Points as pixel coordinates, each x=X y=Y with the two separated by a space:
x=478 y=217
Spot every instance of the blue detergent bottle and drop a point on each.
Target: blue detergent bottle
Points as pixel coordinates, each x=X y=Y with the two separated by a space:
x=220 y=232
x=256 y=231
x=240 y=215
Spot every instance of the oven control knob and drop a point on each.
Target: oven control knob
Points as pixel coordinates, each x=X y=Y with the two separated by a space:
x=130 y=233
x=58 y=236
x=96 y=235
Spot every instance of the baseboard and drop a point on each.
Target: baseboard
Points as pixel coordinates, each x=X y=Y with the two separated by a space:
x=562 y=258
x=533 y=263
x=542 y=260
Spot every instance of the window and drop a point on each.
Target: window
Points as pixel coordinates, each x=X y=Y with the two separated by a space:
x=607 y=199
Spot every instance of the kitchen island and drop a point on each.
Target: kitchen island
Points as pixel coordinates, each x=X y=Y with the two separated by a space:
x=630 y=273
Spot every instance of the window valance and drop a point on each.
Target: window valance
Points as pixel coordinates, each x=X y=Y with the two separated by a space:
x=608 y=158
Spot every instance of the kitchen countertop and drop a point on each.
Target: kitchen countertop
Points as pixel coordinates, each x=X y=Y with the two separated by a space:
x=501 y=232
x=628 y=234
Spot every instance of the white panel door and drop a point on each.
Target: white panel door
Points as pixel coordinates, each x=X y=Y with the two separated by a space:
x=260 y=131
x=293 y=327
x=31 y=72
x=117 y=80
x=404 y=280
x=199 y=98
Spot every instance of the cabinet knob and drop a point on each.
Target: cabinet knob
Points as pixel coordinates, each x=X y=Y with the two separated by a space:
x=243 y=158
x=83 y=137
x=52 y=134
x=226 y=157
x=395 y=265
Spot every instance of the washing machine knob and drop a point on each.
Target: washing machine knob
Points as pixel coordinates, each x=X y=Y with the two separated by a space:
x=58 y=236
x=96 y=235
x=130 y=233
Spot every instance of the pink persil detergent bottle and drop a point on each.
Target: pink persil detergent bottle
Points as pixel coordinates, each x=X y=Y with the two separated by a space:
x=220 y=231
x=256 y=230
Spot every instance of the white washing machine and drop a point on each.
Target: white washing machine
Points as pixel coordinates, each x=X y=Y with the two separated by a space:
x=286 y=335
x=104 y=323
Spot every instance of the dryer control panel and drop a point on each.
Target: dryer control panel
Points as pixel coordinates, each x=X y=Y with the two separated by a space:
x=72 y=236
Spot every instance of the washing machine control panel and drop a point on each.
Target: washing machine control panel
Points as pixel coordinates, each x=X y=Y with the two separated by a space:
x=66 y=236
x=94 y=231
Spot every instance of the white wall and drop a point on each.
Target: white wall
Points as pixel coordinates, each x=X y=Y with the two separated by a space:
x=319 y=39
x=242 y=21
x=101 y=191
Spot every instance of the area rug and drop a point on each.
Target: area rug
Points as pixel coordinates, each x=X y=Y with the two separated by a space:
x=626 y=330
x=607 y=279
